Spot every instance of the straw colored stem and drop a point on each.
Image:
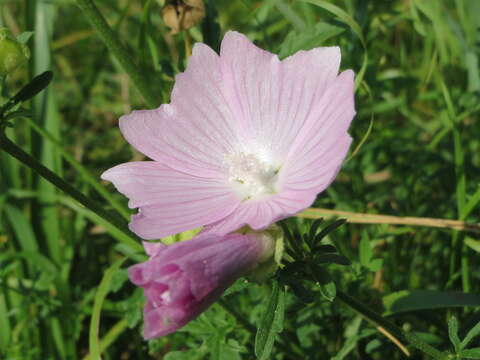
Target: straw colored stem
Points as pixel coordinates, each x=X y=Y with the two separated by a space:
x=361 y=218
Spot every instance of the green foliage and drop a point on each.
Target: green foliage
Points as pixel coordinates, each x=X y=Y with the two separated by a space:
x=271 y=322
x=417 y=65
x=460 y=351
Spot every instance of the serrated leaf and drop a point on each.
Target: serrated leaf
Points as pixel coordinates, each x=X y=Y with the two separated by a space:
x=328 y=290
x=453 y=333
x=271 y=323
x=475 y=331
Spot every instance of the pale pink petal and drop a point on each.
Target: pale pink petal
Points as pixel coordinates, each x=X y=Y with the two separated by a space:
x=323 y=142
x=260 y=214
x=274 y=99
x=195 y=131
x=153 y=248
x=170 y=201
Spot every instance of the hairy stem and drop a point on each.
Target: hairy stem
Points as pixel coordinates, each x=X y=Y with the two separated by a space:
x=110 y=39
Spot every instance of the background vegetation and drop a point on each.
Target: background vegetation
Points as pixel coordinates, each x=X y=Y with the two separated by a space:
x=420 y=97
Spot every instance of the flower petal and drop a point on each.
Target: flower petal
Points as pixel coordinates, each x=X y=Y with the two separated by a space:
x=262 y=213
x=170 y=201
x=323 y=142
x=274 y=99
x=197 y=129
x=160 y=321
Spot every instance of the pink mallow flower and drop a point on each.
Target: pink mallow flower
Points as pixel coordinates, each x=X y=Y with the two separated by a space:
x=246 y=140
x=182 y=280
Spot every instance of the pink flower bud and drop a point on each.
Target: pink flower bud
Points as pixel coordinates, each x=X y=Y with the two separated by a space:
x=182 y=280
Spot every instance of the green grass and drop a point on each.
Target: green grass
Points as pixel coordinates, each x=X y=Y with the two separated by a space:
x=417 y=99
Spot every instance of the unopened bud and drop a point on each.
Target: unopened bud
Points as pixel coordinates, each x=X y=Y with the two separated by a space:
x=183 y=14
x=12 y=52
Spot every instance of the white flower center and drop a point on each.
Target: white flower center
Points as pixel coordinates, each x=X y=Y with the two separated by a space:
x=251 y=176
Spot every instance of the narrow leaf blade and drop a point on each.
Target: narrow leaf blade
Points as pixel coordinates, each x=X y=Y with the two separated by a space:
x=271 y=323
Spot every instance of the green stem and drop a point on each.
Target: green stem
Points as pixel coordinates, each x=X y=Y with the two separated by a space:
x=50 y=176
x=112 y=42
x=378 y=320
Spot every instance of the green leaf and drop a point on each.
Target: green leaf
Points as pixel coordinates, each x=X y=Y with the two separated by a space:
x=133 y=308
x=237 y=286
x=328 y=229
x=365 y=250
x=314 y=228
x=328 y=290
x=310 y=38
x=193 y=354
x=453 y=333
x=5 y=325
x=24 y=37
x=101 y=294
x=472 y=243
x=413 y=300
x=37 y=84
x=475 y=331
x=470 y=353
x=375 y=265
x=271 y=322
x=332 y=259
x=216 y=346
x=304 y=294
x=22 y=228
x=325 y=249
x=344 y=17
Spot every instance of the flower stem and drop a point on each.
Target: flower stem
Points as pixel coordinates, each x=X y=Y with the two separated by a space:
x=361 y=218
x=118 y=50
x=378 y=320
x=34 y=164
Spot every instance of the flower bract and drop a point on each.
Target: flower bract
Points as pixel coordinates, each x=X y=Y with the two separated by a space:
x=247 y=139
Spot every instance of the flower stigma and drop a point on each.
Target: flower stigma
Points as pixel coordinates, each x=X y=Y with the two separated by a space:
x=251 y=176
